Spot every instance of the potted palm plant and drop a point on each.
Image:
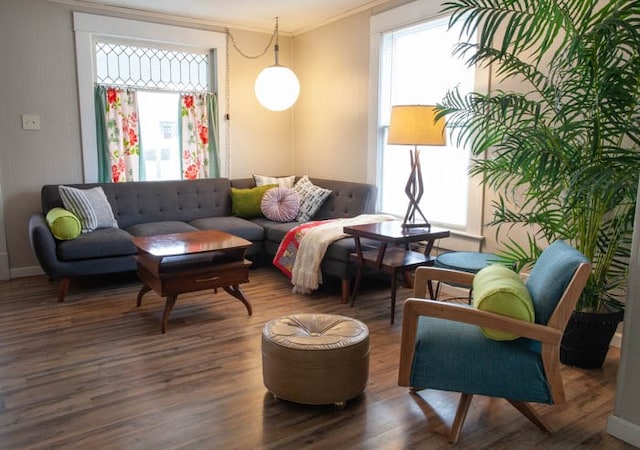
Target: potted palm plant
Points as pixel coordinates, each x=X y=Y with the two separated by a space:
x=563 y=150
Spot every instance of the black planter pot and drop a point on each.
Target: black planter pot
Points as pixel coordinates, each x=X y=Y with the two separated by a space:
x=586 y=338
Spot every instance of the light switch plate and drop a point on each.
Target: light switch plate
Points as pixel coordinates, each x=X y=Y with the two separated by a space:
x=30 y=122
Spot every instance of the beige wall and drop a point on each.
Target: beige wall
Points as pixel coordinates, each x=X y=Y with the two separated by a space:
x=38 y=75
x=261 y=141
x=332 y=113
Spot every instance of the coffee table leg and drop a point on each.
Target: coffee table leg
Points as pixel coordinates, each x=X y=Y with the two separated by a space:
x=143 y=290
x=237 y=293
x=168 y=306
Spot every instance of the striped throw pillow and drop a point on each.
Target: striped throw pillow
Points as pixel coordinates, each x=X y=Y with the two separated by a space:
x=90 y=206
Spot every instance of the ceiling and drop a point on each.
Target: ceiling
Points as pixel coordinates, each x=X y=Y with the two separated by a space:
x=294 y=15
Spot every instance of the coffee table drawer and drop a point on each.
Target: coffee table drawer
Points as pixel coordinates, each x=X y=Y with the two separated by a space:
x=205 y=280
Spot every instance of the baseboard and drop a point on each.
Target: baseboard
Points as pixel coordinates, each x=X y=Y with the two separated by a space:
x=29 y=271
x=624 y=430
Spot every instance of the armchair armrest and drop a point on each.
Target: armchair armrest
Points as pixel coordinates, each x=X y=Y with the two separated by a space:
x=424 y=275
x=414 y=308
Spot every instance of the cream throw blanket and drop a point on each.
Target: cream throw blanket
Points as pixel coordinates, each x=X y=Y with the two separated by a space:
x=305 y=274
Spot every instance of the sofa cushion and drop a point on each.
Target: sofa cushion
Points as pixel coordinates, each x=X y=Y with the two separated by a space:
x=246 y=202
x=155 y=228
x=550 y=276
x=286 y=182
x=435 y=366
x=63 y=224
x=311 y=198
x=233 y=225
x=275 y=231
x=347 y=199
x=341 y=249
x=90 y=206
x=280 y=204
x=500 y=290
x=157 y=201
x=101 y=243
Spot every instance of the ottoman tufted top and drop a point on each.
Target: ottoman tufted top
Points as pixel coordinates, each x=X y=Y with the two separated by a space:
x=315 y=331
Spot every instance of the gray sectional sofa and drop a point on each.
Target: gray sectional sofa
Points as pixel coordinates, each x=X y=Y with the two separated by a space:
x=161 y=207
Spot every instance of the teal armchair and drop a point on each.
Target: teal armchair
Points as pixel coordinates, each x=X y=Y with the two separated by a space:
x=443 y=347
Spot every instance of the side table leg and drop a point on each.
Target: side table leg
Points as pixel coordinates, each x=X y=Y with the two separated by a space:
x=237 y=293
x=394 y=286
x=168 y=306
x=408 y=281
x=356 y=285
x=143 y=290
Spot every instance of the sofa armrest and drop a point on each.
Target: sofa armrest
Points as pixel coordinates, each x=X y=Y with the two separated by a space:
x=44 y=245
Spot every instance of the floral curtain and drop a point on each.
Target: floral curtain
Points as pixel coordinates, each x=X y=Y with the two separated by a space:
x=198 y=135
x=118 y=134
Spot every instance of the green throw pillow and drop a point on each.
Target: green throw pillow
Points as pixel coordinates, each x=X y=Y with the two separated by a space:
x=64 y=225
x=246 y=202
x=500 y=290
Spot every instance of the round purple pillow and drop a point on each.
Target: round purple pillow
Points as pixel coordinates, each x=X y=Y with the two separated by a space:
x=280 y=204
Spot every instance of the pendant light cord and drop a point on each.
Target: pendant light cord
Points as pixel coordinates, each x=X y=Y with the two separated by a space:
x=266 y=49
x=230 y=40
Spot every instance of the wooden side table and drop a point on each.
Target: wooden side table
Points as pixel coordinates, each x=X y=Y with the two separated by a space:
x=398 y=259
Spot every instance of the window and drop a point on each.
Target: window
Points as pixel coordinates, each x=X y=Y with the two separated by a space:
x=157 y=75
x=158 y=135
x=415 y=71
x=412 y=63
x=177 y=50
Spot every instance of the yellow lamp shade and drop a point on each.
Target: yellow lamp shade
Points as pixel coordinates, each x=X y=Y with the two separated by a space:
x=277 y=88
x=415 y=125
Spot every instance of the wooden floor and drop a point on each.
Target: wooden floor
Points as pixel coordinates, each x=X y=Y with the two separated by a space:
x=95 y=373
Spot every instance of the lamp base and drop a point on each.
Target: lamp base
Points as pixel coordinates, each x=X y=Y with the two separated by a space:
x=414 y=190
x=426 y=225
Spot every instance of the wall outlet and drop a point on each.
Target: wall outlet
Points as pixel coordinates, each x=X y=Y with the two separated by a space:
x=30 y=122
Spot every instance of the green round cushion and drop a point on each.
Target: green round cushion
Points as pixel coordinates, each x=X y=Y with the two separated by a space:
x=500 y=290
x=64 y=225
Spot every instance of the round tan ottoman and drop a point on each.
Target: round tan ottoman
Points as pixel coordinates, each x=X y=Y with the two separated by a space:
x=315 y=359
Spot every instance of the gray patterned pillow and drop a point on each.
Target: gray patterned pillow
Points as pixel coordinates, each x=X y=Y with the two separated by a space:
x=311 y=198
x=90 y=206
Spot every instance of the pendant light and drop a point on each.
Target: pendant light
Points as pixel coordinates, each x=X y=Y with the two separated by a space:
x=277 y=87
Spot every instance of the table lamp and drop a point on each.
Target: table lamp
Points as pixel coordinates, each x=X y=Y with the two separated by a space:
x=415 y=125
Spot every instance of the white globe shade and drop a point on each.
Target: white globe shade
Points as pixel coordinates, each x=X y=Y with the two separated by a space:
x=277 y=88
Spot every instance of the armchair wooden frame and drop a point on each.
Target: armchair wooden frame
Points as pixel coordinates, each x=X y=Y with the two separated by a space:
x=549 y=335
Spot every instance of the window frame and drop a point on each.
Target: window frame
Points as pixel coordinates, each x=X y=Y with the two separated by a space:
x=467 y=238
x=90 y=28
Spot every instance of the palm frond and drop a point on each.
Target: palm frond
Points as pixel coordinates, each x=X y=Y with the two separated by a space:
x=563 y=154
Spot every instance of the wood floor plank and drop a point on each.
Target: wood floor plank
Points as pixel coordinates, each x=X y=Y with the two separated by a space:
x=95 y=372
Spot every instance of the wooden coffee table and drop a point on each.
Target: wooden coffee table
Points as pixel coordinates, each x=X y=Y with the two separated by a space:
x=173 y=264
